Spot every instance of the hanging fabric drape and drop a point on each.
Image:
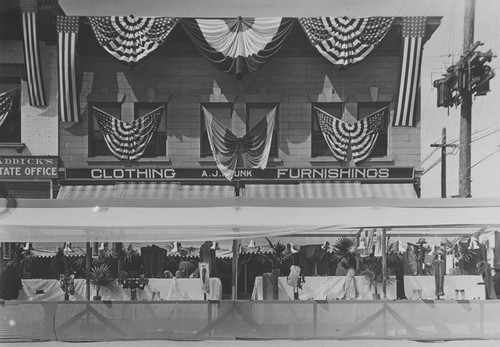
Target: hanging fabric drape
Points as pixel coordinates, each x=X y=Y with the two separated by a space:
x=413 y=33
x=128 y=141
x=345 y=41
x=359 y=137
x=32 y=58
x=67 y=36
x=129 y=38
x=8 y=100
x=253 y=148
x=238 y=45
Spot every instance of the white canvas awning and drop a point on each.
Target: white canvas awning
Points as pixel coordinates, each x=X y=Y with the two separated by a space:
x=152 y=220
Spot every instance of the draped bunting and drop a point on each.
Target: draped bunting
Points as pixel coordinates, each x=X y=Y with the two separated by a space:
x=36 y=90
x=359 y=137
x=345 y=41
x=239 y=45
x=253 y=148
x=7 y=101
x=67 y=35
x=413 y=32
x=128 y=141
x=130 y=38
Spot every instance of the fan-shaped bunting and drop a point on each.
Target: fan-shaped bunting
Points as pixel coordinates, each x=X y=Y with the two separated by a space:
x=253 y=148
x=7 y=101
x=239 y=45
x=360 y=137
x=130 y=38
x=128 y=141
x=345 y=41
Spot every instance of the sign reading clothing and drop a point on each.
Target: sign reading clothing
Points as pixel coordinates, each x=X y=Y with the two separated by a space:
x=313 y=174
x=28 y=167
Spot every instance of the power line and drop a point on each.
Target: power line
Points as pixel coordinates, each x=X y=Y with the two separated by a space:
x=489 y=155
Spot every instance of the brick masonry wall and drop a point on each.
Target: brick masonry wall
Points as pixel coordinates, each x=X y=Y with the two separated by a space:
x=295 y=81
x=39 y=125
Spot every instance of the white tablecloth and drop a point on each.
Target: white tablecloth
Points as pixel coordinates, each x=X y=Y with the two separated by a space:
x=331 y=287
x=169 y=289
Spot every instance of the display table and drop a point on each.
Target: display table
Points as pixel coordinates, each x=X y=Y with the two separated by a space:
x=331 y=288
x=156 y=289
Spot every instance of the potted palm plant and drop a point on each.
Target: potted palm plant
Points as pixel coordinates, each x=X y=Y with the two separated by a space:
x=344 y=255
x=278 y=257
x=101 y=277
x=372 y=273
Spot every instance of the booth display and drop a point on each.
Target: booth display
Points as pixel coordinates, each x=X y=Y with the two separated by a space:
x=155 y=289
x=332 y=288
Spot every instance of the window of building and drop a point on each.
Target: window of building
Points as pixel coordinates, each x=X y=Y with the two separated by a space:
x=97 y=144
x=158 y=145
x=10 y=129
x=367 y=108
x=258 y=111
x=319 y=147
x=223 y=112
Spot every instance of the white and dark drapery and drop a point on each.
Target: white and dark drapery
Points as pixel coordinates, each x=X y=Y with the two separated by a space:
x=128 y=141
x=358 y=138
x=413 y=33
x=67 y=36
x=345 y=41
x=238 y=45
x=8 y=101
x=252 y=150
x=129 y=38
x=32 y=57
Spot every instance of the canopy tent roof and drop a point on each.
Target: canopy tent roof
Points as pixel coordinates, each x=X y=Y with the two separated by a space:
x=152 y=220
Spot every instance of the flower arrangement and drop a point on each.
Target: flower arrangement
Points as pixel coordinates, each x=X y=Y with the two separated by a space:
x=67 y=283
x=132 y=283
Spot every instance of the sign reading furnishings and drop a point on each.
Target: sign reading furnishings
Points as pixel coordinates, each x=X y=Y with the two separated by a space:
x=28 y=167
x=285 y=174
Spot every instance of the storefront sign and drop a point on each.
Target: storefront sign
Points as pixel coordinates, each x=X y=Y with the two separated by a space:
x=28 y=167
x=285 y=174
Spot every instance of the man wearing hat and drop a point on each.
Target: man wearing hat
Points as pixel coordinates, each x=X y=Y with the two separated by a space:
x=421 y=249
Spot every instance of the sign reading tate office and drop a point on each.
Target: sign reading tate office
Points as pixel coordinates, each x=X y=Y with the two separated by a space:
x=313 y=174
x=28 y=167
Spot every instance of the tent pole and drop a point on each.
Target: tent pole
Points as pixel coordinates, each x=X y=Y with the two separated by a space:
x=384 y=262
x=88 y=257
x=234 y=289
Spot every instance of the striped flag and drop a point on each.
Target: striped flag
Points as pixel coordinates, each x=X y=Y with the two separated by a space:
x=128 y=141
x=8 y=100
x=345 y=41
x=36 y=90
x=228 y=149
x=67 y=35
x=413 y=32
x=359 y=137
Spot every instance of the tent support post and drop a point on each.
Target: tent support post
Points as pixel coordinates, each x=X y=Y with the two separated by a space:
x=236 y=253
x=384 y=262
x=88 y=257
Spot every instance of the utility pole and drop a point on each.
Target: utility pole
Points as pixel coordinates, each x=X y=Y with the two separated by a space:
x=466 y=111
x=443 y=147
x=467 y=78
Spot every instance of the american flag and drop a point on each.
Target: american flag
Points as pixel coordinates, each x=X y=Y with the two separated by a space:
x=413 y=32
x=128 y=141
x=345 y=41
x=67 y=34
x=359 y=137
x=7 y=101
x=228 y=150
x=36 y=90
x=130 y=38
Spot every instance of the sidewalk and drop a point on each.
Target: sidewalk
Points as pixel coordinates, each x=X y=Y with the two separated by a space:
x=268 y=343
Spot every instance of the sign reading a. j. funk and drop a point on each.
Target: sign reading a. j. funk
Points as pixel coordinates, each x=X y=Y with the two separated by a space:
x=28 y=167
x=313 y=174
